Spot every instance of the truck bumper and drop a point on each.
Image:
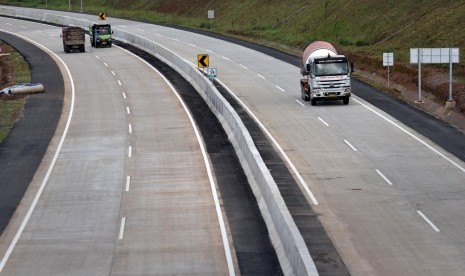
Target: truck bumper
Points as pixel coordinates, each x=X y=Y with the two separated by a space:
x=331 y=95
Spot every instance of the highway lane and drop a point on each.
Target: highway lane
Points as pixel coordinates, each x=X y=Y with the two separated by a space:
x=349 y=156
x=111 y=204
x=391 y=199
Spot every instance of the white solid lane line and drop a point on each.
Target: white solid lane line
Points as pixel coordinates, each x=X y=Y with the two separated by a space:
x=323 y=121
x=428 y=221
x=350 y=145
x=412 y=135
x=289 y=162
x=384 y=177
x=52 y=164
x=121 y=228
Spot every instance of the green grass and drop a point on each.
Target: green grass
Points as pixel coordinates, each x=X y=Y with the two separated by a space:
x=11 y=107
x=10 y=111
x=359 y=29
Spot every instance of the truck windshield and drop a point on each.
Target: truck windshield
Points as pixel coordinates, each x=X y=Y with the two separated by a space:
x=328 y=68
x=103 y=30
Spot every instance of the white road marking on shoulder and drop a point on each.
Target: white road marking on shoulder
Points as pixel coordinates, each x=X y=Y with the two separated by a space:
x=105 y=64
x=350 y=145
x=261 y=76
x=113 y=73
x=243 y=66
x=127 y=110
x=428 y=221
x=129 y=151
x=412 y=135
x=97 y=57
x=226 y=58
x=323 y=121
x=130 y=128
x=119 y=82
x=384 y=177
x=124 y=95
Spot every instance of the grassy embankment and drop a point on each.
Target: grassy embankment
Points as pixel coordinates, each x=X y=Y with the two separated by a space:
x=13 y=69
x=363 y=30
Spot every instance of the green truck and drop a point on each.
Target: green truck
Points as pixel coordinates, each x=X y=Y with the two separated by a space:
x=100 y=35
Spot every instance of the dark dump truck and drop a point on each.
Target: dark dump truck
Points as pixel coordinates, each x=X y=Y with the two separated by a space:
x=73 y=39
x=100 y=35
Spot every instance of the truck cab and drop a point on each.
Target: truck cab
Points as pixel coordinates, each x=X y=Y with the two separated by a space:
x=326 y=74
x=328 y=79
x=100 y=35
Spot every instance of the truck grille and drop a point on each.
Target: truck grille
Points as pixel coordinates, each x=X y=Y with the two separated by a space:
x=328 y=84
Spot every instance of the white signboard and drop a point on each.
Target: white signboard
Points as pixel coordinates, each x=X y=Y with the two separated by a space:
x=211 y=14
x=211 y=72
x=388 y=59
x=434 y=55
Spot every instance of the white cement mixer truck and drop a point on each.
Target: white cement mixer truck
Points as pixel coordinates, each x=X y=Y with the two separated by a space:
x=326 y=74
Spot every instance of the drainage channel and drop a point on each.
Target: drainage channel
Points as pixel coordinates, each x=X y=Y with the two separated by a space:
x=254 y=251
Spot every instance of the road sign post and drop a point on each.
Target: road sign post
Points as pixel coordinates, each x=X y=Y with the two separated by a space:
x=211 y=15
x=434 y=55
x=388 y=60
x=211 y=73
x=202 y=61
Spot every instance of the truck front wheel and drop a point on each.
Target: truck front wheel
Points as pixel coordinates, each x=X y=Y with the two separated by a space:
x=313 y=101
x=302 y=91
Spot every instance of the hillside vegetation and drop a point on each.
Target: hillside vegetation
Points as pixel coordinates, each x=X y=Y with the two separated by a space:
x=362 y=29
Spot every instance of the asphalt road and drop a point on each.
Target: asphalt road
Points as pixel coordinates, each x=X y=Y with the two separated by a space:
x=25 y=149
